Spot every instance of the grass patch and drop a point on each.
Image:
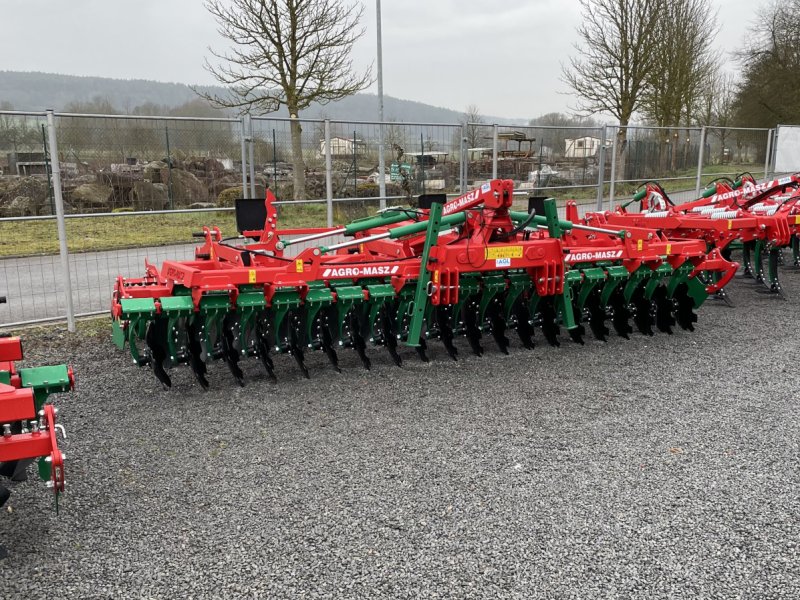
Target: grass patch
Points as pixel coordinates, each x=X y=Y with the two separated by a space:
x=27 y=238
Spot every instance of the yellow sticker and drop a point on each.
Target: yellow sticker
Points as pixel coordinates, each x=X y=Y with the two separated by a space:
x=797 y=220
x=298 y=265
x=730 y=224
x=503 y=252
x=639 y=245
x=252 y=275
x=436 y=277
x=669 y=248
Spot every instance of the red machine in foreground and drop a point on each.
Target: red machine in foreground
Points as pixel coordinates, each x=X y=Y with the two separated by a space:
x=28 y=422
x=442 y=270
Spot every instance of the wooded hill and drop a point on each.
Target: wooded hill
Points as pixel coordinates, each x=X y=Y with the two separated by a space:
x=40 y=91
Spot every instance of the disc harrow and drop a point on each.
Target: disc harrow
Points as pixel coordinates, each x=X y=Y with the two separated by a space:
x=29 y=422
x=758 y=219
x=467 y=268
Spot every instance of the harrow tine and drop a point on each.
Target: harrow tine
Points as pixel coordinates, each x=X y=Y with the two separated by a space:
x=472 y=325
x=722 y=294
x=324 y=338
x=388 y=332
x=194 y=347
x=642 y=317
x=684 y=312
x=155 y=338
x=357 y=339
x=747 y=260
x=774 y=260
x=444 y=318
x=597 y=316
x=663 y=309
x=795 y=251
x=294 y=333
x=621 y=315
x=524 y=328
x=230 y=353
x=422 y=350
x=498 y=325
x=576 y=334
x=548 y=317
x=262 y=344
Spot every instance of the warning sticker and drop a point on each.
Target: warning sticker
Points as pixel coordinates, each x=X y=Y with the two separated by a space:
x=504 y=252
x=251 y=276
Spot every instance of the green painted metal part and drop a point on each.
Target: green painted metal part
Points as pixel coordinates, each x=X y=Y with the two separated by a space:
x=521 y=217
x=139 y=312
x=118 y=335
x=175 y=308
x=283 y=300
x=379 y=294
x=434 y=223
x=347 y=296
x=493 y=284
x=592 y=277
x=45 y=381
x=615 y=276
x=388 y=217
x=518 y=284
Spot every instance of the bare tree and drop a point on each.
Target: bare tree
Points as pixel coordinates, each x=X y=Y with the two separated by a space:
x=472 y=120
x=288 y=53
x=685 y=63
x=767 y=95
x=616 y=56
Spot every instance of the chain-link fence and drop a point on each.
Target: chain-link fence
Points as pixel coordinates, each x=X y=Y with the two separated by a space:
x=135 y=186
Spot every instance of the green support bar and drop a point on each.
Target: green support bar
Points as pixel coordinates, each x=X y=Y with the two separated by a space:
x=421 y=293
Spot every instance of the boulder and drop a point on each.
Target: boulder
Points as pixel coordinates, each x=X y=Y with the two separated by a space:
x=218 y=182
x=152 y=171
x=92 y=197
x=150 y=196
x=23 y=206
x=28 y=194
x=186 y=188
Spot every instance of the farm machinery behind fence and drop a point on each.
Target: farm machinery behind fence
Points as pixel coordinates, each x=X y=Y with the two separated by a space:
x=465 y=267
x=29 y=422
x=760 y=219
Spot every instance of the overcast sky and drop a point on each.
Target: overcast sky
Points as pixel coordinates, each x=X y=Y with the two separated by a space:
x=504 y=56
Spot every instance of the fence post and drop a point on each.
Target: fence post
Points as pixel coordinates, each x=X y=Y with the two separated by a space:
x=700 y=159
x=62 y=229
x=381 y=167
x=769 y=151
x=244 y=158
x=328 y=172
x=494 y=151
x=462 y=175
x=170 y=190
x=601 y=170
x=612 y=189
x=252 y=158
x=355 y=167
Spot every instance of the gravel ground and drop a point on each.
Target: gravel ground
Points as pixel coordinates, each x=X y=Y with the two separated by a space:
x=662 y=467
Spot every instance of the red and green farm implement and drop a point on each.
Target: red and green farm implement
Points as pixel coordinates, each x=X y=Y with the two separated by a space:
x=466 y=268
x=28 y=420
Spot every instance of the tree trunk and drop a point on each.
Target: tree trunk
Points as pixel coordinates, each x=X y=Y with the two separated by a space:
x=622 y=152
x=297 y=159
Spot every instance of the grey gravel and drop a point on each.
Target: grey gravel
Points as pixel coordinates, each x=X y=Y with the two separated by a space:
x=663 y=467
